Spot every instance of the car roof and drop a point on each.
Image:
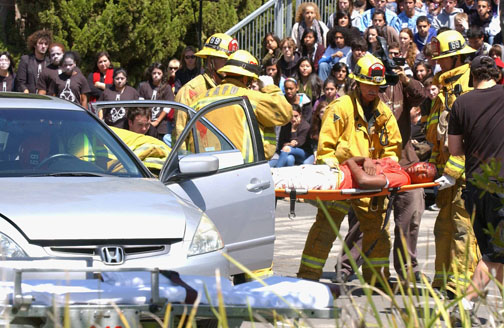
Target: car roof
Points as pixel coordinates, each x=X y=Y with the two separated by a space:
x=34 y=101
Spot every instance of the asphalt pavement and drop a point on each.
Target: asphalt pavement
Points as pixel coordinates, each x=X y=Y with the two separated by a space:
x=290 y=238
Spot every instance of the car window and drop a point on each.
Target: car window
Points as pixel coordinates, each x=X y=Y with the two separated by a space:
x=224 y=128
x=42 y=142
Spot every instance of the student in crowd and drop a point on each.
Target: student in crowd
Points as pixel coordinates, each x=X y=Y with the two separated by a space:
x=462 y=24
x=308 y=81
x=476 y=40
x=343 y=82
x=101 y=77
x=309 y=48
x=348 y=7
x=156 y=88
x=343 y=19
x=409 y=15
x=300 y=99
x=336 y=52
x=70 y=85
x=389 y=16
x=316 y=123
x=118 y=91
x=384 y=29
x=293 y=141
x=270 y=48
x=190 y=68
x=173 y=67
x=51 y=71
x=272 y=69
x=7 y=76
x=330 y=92
x=371 y=36
x=434 y=7
x=308 y=16
x=408 y=49
x=446 y=17
x=359 y=49
x=424 y=33
x=30 y=66
x=290 y=57
x=422 y=71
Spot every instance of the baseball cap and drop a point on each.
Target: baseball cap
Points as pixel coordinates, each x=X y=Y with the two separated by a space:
x=483 y=61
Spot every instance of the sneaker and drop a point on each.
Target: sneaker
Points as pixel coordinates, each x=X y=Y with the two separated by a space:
x=433 y=207
x=456 y=318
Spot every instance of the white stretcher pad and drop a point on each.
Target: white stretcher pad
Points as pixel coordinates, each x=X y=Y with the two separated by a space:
x=134 y=288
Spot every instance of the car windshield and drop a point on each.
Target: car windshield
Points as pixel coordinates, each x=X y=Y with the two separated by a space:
x=49 y=142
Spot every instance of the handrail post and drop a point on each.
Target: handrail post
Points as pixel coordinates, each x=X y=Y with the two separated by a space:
x=279 y=18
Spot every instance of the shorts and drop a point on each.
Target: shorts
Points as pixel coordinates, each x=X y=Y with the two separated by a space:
x=488 y=221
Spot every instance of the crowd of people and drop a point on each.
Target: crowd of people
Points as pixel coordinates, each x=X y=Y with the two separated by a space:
x=378 y=80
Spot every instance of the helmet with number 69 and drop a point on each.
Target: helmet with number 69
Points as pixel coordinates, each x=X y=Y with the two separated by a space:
x=449 y=43
x=218 y=45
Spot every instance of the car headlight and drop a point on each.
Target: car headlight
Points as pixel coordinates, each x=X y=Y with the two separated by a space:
x=8 y=248
x=206 y=239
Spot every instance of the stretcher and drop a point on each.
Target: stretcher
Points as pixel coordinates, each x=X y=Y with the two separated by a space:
x=136 y=297
x=343 y=194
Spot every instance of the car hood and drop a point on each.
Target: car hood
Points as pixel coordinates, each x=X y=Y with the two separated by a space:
x=89 y=208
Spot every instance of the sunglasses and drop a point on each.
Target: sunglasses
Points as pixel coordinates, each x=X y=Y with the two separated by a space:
x=190 y=57
x=173 y=68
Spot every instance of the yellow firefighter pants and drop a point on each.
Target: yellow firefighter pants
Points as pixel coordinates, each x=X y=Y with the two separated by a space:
x=321 y=237
x=457 y=251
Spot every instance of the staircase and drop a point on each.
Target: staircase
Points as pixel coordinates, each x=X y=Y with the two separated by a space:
x=275 y=16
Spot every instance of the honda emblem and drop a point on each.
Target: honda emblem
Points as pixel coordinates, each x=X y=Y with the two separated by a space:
x=112 y=255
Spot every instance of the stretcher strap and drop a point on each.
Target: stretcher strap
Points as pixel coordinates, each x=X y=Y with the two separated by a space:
x=292 y=200
x=191 y=293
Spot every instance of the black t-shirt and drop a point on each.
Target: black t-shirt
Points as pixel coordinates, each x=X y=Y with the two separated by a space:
x=7 y=83
x=117 y=116
x=479 y=117
x=48 y=74
x=69 y=87
x=148 y=91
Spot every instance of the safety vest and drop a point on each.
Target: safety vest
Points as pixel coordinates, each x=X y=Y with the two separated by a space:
x=346 y=133
x=451 y=84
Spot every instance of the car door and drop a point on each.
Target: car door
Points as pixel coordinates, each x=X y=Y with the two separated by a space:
x=239 y=196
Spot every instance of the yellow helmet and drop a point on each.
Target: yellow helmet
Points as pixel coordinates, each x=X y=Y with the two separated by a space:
x=218 y=45
x=369 y=70
x=449 y=43
x=243 y=63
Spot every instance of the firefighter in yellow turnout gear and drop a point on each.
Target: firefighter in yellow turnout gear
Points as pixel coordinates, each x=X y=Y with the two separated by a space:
x=358 y=124
x=271 y=108
x=456 y=248
x=216 y=51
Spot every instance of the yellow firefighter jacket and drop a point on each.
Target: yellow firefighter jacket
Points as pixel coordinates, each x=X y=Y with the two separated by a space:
x=151 y=151
x=437 y=123
x=187 y=95
x=346 y=133
x=270 y=108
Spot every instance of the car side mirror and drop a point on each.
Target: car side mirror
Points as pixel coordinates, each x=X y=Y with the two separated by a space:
x=197 y=164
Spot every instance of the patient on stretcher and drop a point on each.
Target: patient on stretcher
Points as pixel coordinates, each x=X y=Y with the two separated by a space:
x=356 y=172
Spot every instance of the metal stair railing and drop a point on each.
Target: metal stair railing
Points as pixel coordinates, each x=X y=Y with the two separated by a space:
x=275 y=16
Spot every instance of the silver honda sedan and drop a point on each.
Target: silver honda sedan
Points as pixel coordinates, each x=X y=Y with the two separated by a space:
x=71 y=189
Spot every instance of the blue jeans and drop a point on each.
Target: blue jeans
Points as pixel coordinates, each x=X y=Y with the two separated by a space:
x=324 y=69
x=295 y=155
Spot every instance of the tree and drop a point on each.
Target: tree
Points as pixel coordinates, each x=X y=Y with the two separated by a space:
x=136 y=33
